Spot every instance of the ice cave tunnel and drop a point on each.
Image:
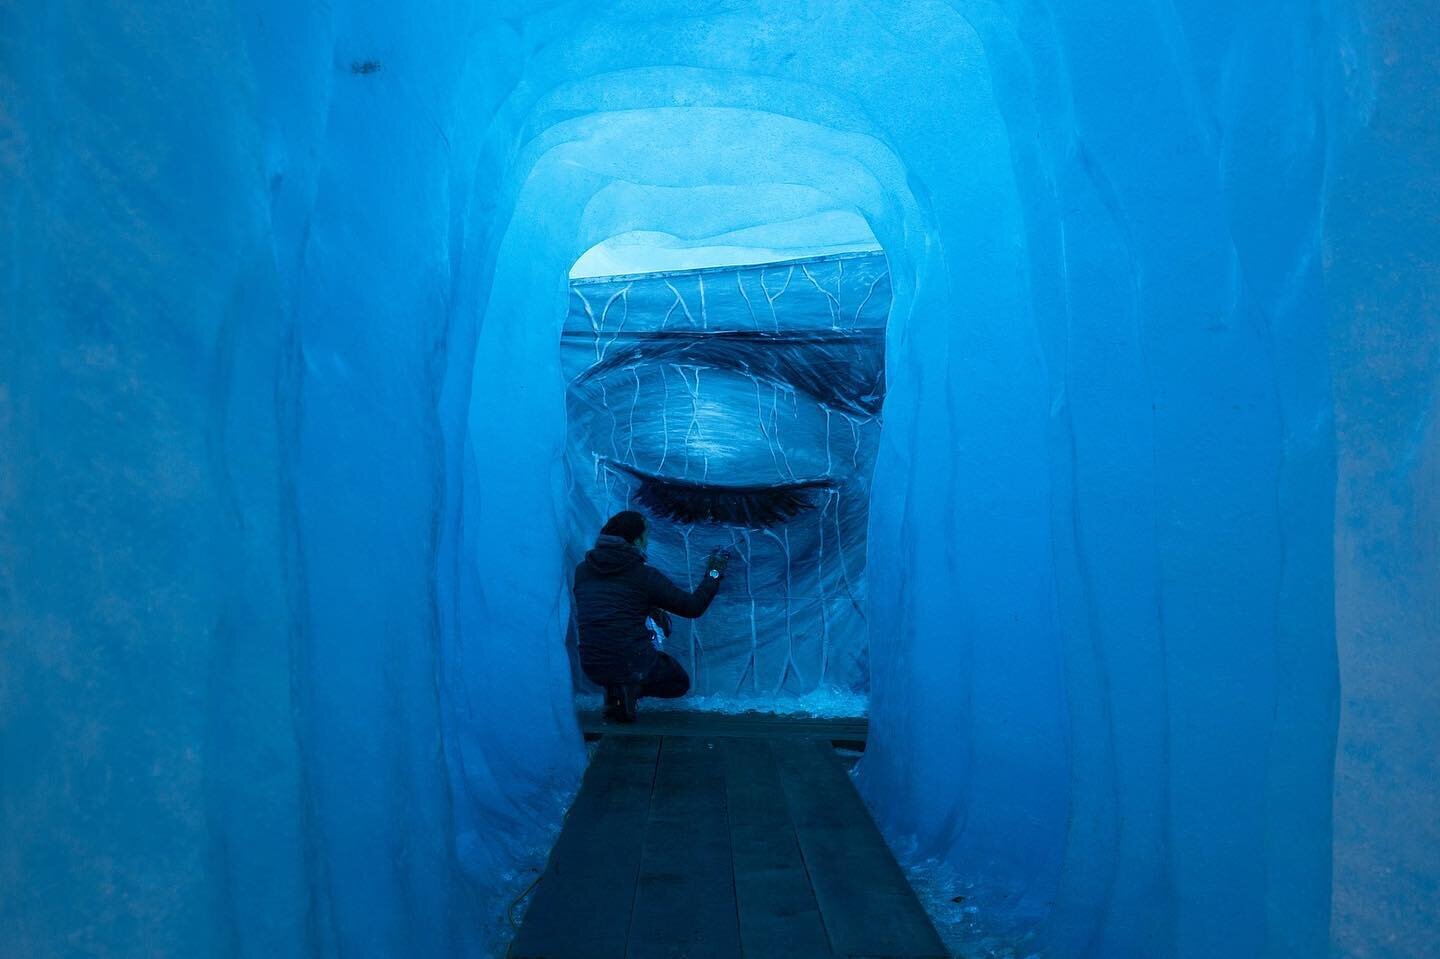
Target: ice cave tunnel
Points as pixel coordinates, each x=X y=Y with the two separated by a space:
x=1064 y=373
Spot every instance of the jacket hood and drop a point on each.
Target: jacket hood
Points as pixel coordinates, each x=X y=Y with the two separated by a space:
x=612 y=554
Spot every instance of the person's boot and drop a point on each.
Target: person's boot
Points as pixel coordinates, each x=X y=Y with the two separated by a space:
x=628 y=695
x=614 y=705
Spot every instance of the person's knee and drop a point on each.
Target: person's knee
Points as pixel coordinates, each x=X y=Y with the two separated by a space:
x=679 y=678
x=675 y=685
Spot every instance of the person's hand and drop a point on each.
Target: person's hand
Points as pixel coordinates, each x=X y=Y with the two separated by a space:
x=719 y=559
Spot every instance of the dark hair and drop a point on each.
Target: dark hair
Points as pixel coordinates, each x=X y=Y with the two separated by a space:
x=628 y=525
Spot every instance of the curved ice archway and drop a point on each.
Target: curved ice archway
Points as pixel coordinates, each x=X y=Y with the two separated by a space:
x=990 y=811
x=984 y=824
x=1118 y=821
x=715 y=210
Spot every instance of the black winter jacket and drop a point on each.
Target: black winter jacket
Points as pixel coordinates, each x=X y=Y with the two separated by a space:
x=614 y=591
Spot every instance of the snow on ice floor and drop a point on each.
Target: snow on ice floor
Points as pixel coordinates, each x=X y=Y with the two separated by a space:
x=963 y=926
x=817 y=704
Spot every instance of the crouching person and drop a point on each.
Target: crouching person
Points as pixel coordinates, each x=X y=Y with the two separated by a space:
x=615 y=591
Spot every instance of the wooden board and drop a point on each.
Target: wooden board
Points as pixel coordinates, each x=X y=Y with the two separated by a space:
x=867 y=904
x=705 y=847
x=668 y=722
x=685 y=898
x=779 y=918
x=582 y=906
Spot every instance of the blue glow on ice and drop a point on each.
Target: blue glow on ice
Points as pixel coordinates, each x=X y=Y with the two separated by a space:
x=1150 y=549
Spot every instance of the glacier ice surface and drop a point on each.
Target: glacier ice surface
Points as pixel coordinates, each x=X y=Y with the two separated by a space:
x=1150 y=545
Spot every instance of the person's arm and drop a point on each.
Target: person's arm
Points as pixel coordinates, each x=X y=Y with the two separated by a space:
x=672 y=598
x=662 y=619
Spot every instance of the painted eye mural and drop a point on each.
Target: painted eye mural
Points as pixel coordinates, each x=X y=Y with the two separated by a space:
x=739 y=407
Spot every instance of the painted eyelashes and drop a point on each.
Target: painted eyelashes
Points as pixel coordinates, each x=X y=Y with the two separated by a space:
x=750 y=507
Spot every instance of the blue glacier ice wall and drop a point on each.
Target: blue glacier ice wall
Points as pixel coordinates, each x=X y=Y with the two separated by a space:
x=233 y=721
x=282 y=495
x=152 y=779
x=738 y=407
x=1382 y=250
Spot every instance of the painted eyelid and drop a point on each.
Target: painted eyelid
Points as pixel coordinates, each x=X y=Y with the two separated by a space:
x=756 y=509
x=676 y=482
x=861 y=396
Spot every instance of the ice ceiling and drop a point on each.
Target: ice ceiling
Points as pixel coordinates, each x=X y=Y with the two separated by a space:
x=1151 y=536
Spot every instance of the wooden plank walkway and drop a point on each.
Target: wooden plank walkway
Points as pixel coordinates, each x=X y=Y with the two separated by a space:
x=705 y=846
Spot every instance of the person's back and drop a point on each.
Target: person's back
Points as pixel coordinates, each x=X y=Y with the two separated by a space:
x=612 y=600
x=615 y=591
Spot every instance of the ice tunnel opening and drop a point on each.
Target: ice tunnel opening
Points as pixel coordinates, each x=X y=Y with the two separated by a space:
x=585 y=181
x=730 y=388
x=1020 y=330
x=699 y=188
